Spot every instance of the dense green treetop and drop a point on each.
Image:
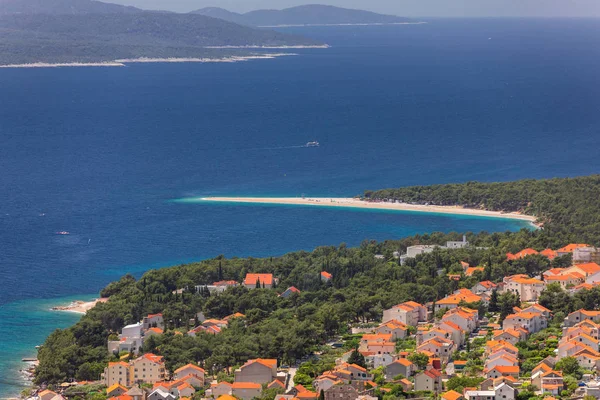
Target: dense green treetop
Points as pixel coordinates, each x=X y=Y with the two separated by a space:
x=568 y=207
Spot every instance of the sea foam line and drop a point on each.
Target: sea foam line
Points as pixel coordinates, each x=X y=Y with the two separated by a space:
x=124 y=62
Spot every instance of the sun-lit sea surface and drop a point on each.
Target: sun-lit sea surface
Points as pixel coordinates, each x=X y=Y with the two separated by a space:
x=101 y=152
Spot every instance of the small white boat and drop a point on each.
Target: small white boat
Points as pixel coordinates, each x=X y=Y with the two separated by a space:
x=63 y=233
x=312 y=144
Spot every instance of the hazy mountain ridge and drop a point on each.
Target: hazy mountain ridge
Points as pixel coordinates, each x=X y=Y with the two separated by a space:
x=58 y=7
x=312 y=14
x=106 y=37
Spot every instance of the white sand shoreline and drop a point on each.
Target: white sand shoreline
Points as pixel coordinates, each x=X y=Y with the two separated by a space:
x=356 y=203
x=356 y=24
x=79 y=307
x=316 y=46
x=124 y=62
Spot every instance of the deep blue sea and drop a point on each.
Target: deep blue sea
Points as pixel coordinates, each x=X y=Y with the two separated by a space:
x=102 y=152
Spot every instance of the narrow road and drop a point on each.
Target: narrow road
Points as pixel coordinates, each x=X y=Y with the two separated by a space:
x=292 y=373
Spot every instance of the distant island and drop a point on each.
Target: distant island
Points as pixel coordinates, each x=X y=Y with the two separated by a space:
x=86 y=31
x=312 y=14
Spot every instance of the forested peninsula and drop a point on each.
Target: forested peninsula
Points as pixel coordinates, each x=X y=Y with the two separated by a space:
x=85 y=31
x=365 y=281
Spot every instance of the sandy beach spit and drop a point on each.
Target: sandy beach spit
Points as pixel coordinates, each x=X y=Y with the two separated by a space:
x=80 y=307
x=316 y=46
x=348 y=24
x=357 y=203
x=124 y=62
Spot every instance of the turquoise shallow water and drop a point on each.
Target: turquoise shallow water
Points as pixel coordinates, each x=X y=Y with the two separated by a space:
x=102 y=152
x=25 y=324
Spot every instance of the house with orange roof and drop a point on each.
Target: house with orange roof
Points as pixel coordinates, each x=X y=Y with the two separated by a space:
x=549 y=253
x=429 y=380
x=219 y=286
x=233 y=316
x=211 y=330
x=484 y=287
x=263 y=280
x=258 y=371
x=408 y=313
x=116 y=390
x=424 y=335
x=532 y=322
x=553 y=272
x=401 y=366
x=587 y=360
x=538 y=309
x=493 y=346
x=397 y=329
x=307 y=395
x=153 y=331
x=570 y=248
x=407 y=386
x=457 y=334
x=189 y=369
x=379 y=348
x=451 y=395
x=581 y=315
x=441 y=348
x=240 y=390
x=215 y=322
x=528 y=289
x=551 y=382
x=472 y=270
x=587 y=340
x=289 y=291
x=503 y=391
x=566 y=281
x=325 y=381
x=276 y=384
x=499 y=371
x=583 y=286
x=326 y=276
x=573 y=347
x=220 y=389
x=153 y=321
x=495 y=360
x=512 y=336
x=452 y=301
x=352 y=372
x=117 y=373
x=466 y=318
x=585 y=269
x=464 y=265
x=574 y=332
x=49 y=395
x=521 y=254
x=376 y=337
x=148 y=368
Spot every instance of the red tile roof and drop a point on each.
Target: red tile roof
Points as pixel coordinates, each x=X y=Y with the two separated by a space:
x=326 y=274
x=251 y=279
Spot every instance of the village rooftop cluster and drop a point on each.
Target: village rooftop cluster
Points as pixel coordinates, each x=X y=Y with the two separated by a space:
x=416 y=346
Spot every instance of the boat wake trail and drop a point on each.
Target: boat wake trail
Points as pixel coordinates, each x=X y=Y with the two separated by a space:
x=275 y=148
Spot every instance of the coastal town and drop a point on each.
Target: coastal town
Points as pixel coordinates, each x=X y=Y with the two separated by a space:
x=474 y=344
